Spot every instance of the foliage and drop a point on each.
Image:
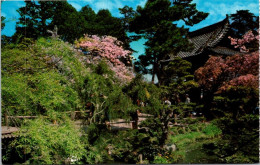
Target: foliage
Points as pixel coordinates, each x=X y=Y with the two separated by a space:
x=188 y=142
x=154 y=22
x=219 y=74
x=49 y=144
x=110 y=49
x=35 y=18
x=14 y=96
x=242 y=21
x=2 y=22
x=246 y=38
x=234 y=83
x=48 y=75
x=161 y=160
x=211 y=130
x=39 y=16
x=239 y=124
x=35 y=78
x=118 y=146
x=64 y=18
x=178 y=81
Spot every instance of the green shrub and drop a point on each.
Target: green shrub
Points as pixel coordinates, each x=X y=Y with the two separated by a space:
x=211 y=130
x=49 y=144
x=160 y=160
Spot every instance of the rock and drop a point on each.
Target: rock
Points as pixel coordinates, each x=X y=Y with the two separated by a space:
x=170 y=147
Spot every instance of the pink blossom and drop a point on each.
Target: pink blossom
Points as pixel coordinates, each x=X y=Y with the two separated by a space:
x=110 y=49
x=246 y=38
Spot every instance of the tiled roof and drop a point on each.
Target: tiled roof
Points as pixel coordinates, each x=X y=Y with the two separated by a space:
x=224 y=50
x=206 y=37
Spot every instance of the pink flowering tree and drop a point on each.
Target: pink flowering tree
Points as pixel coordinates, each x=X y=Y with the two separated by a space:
x=111 y=50
x=231 y=98
x=219 y=74
x=247 y=38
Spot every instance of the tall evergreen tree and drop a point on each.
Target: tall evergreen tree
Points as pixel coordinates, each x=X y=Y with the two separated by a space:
x=69 y=22
x=89 y=16
x=243 y=21
x=35 y=18
x=109 y=25
x=156 y=22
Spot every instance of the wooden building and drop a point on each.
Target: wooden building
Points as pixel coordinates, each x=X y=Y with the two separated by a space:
x=207 y=41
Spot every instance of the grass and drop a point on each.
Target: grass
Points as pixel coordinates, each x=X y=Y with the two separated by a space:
x=187 y=138
x=189 y=141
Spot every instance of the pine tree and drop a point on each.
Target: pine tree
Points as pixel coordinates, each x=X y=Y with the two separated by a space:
x=70 y=23
x=243 y=21
x=35 y=18
x=156 y=22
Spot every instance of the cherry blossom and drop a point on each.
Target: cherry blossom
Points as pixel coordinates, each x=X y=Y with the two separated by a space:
x=246 y=38
x=110 y=49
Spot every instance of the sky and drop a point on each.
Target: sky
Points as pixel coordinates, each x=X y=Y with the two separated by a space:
x=217 y=10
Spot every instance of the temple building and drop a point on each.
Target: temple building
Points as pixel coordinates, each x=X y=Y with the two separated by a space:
x=207 y=41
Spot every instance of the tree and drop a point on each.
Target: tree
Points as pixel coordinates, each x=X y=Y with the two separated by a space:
x=243 y=21
x=155 y=22
x=109 y=49
x=231 y=87
x=38 y=17
x=2 y=22
x=106 y=25
x=88 y=13
x=219 y=74
x=238 y=119
x=178 y=81
x=89 y=16
x=64 y=18
x=245 y=44
x=129 y=14
x=240 y=23
x=35 y=19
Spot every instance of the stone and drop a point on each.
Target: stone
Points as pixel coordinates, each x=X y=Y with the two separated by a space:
x=170 y=147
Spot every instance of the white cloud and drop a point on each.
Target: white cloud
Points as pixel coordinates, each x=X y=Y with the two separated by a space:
x=76 y=6
x=222 y=9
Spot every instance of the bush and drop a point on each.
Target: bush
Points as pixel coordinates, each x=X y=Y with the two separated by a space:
x=212 y=130
x=49 y=144
x=160 y=160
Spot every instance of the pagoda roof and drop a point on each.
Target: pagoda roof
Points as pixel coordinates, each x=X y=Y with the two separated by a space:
x=224 y=50
x=207 y=38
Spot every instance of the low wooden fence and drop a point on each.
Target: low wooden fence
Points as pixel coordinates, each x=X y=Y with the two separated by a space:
x=7 y=118
x=117 y=124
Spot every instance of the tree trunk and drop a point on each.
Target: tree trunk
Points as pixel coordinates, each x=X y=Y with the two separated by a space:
x=153 y=78
x=153 y=73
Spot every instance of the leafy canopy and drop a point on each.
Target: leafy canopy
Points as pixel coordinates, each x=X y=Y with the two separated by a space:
x=156 y=22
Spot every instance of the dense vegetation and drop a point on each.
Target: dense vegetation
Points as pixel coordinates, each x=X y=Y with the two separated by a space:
x=51 y=77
